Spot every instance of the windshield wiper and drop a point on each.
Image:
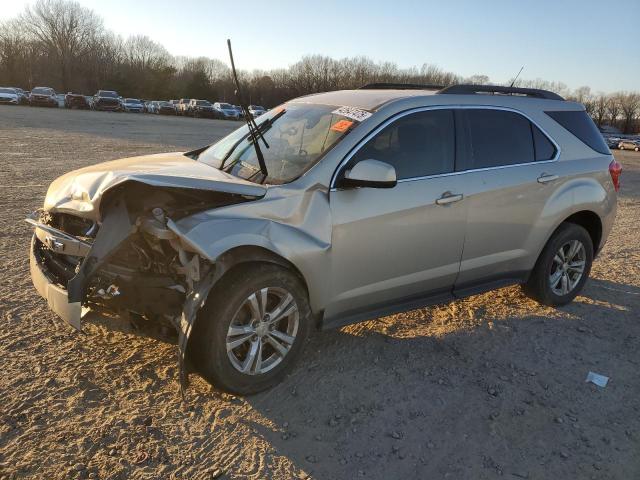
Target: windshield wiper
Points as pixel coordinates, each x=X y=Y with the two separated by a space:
x=254 y=131
x=263 y=127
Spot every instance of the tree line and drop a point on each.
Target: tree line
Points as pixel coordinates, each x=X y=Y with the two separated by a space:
x=61 y=44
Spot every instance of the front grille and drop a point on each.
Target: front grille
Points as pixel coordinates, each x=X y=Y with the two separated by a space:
x=76 y=226
x=59 y=268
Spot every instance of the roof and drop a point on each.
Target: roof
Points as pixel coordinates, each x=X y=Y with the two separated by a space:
x=364 y=99
x=374 y=96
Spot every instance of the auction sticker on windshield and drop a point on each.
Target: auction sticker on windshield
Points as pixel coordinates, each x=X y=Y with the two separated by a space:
x=353 y=113
x=341 y=126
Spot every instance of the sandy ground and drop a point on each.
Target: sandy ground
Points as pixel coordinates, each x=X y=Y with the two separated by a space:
x=489 y=387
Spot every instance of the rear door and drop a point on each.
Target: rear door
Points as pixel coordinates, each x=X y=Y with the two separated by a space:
x=509 y=176
x=391 y=244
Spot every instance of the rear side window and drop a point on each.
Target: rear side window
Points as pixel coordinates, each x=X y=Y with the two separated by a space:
x=581 y=125
x=544 y=149
x=499 y=137
x=417 y=145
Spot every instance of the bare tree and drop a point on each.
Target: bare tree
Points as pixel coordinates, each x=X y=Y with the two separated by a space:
x=600 y=109
x=630 y=107
x=613 y=108
x=66 y=28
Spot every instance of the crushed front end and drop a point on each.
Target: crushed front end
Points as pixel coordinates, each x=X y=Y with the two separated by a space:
x=130 y=260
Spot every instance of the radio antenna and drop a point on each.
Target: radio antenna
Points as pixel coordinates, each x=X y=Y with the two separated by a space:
x=514 y=80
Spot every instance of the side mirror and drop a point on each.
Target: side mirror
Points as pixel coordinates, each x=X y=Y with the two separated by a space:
x=369 y=173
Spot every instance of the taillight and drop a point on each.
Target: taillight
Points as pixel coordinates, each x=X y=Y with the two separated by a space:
x=615 y=169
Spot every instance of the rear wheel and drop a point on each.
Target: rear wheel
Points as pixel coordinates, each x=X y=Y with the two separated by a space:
x=252 y=328
x=563 y=266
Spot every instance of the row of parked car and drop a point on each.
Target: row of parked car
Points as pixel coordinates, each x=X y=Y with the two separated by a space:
x=109 y=100
x=628 y=143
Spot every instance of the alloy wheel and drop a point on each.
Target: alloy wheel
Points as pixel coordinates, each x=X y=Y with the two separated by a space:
x=262 y=331
x=567 y=267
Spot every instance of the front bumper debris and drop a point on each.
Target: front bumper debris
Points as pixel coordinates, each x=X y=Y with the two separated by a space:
x=56 y=296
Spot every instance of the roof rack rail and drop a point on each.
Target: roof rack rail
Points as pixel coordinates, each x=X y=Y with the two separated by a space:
x=400 y=86
x=497 y=89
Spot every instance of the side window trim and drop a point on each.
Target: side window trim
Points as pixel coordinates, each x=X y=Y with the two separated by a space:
x=462 y=140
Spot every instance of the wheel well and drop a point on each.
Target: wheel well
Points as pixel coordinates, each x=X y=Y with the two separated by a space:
x=591 y=222
x=253 y=254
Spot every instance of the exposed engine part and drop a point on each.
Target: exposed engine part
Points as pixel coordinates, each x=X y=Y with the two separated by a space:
x=111 y=291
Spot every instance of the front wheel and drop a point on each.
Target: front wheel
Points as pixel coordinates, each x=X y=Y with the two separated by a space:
x=563 y=266
x=252 y=328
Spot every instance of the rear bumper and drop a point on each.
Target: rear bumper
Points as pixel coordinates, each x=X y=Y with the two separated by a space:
x=56 y=296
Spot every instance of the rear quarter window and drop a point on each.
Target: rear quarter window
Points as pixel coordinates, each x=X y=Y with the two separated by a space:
x=581 y=125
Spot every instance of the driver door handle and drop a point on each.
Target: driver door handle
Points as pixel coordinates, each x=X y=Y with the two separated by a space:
x=544 y=178
x=448 y=198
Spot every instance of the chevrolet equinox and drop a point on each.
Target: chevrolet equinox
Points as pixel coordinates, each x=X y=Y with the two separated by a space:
x=331 y=209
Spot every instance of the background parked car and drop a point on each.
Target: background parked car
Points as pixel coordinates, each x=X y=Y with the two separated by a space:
x=9 y=95
x=107 y=100
x=23 y=97
x=629 y=144
x=133 y=105
x=225 y=111
x=75 y=100
x=200 y=108
x=150 y=107
x=44 y=96
x=164 y=108
x=256 y=110
x=612 y=142
x=182 y=106
x=239 y=111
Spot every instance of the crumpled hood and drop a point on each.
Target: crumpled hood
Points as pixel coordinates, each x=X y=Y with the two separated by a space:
x=80 y=191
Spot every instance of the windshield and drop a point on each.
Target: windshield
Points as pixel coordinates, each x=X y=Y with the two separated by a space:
x=45 y=91
x=104 y=93
x=202 y=102
x=132 y=100
x=226 y=106
x=298 y=137
x=7 y=90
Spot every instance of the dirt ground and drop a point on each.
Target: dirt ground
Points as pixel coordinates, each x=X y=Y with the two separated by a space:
x=489 y=387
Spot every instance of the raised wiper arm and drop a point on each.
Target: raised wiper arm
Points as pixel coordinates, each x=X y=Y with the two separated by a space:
x=254 y=131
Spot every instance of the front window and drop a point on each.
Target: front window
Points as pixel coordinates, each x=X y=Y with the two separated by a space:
x=298 y=135
x=103 y=93
x=132 y=100
x=43 y=91
x=7 y=90
x=202 y=102
x=417 y=145
x=226 y=106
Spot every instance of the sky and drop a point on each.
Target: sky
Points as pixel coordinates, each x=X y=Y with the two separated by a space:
x=578 y=43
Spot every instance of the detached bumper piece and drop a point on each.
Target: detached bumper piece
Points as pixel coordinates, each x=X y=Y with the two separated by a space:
x=56 y=295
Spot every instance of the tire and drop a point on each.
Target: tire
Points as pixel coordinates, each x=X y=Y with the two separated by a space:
x=548 y=268
x=229 y=302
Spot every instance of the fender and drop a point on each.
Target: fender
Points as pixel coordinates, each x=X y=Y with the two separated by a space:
x=573 y=196
x=276 y=223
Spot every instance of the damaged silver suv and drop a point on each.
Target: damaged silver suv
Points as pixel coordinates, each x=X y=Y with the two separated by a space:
x=332 y=209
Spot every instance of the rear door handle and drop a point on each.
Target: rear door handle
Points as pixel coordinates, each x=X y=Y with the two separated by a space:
x=544 y=178
x=448 y=198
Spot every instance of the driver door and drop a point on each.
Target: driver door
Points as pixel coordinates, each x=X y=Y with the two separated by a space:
x=401 y=245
